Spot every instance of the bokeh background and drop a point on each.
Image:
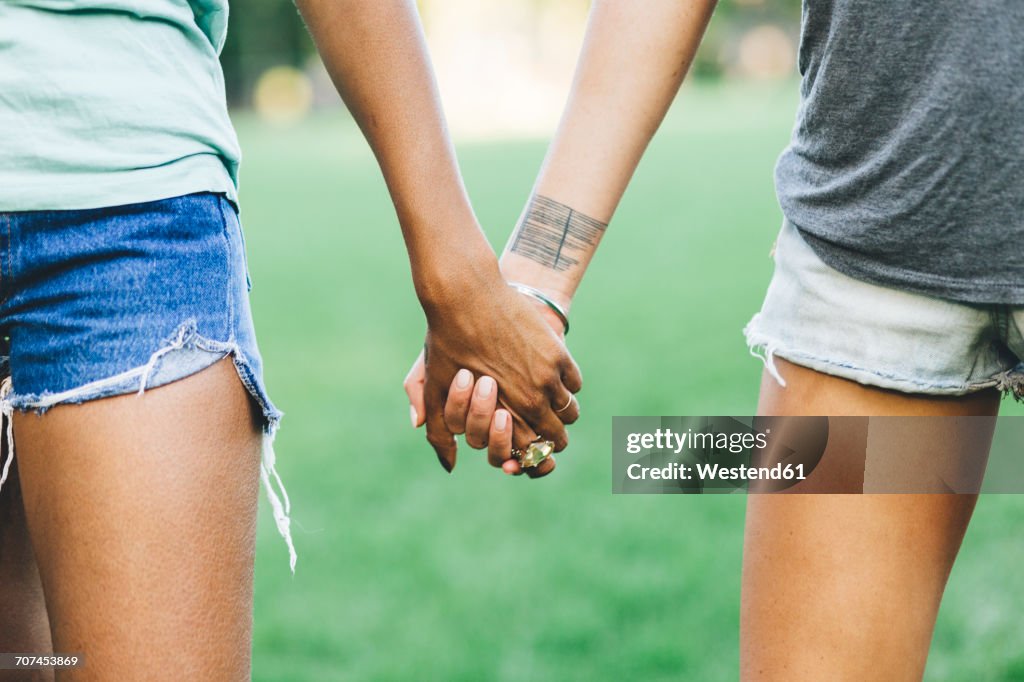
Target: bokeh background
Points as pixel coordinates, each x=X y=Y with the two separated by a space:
x=408 y=573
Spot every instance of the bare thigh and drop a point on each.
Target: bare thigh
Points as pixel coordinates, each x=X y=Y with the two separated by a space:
x=847 y=587
x=142 y=513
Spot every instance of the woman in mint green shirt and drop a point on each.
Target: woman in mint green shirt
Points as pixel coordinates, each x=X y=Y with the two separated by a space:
x=141 y=427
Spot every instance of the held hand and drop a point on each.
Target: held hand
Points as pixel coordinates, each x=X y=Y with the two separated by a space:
x=473 y=409
x=507 y=338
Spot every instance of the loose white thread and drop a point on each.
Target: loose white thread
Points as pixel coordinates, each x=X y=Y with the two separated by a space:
x=280 y=509
x=177 y=344
x=769 y=362
x=7 y=409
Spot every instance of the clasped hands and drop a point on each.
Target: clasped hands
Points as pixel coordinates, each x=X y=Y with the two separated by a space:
x=495 y=368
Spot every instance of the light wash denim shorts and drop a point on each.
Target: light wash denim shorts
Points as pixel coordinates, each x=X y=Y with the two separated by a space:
x=817 y=317
x=110 y=301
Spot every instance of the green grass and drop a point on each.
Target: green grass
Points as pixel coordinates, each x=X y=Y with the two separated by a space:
x=407 y=573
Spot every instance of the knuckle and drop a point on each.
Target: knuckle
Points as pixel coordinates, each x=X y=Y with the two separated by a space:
x=533 y=404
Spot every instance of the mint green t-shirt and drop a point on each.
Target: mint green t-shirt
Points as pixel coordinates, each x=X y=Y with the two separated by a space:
x=111 y=102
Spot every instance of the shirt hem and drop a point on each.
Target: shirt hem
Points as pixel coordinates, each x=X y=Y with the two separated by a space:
x=119 y=188
x=948 y=288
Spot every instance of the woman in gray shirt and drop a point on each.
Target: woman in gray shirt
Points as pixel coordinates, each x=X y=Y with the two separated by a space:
x=898 y=290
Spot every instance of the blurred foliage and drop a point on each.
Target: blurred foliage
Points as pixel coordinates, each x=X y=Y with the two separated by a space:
x=262 y=34
x=267 y=33
x=732 y=19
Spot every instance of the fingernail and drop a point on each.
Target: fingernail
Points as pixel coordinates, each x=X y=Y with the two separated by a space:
x=413 y=417
x=444 y=464
x=463 y=378
x=485 y=387
x=501 y=420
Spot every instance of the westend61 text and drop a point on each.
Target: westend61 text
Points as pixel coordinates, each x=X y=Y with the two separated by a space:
x=715 y=472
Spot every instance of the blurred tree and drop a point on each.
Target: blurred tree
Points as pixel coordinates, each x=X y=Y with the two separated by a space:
x=732 y=19
x=267 y=33
x=262 y=34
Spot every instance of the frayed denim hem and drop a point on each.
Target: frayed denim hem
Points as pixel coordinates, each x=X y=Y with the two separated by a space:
x=766 y=348
x=183 y=354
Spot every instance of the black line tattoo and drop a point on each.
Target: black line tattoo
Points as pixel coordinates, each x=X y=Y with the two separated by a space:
x=551 y=232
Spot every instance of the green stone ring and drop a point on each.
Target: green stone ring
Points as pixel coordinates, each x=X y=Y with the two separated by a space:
x=537 y=452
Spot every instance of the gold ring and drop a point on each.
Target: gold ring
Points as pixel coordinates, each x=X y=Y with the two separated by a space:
x=537 y=452
x=571 y=396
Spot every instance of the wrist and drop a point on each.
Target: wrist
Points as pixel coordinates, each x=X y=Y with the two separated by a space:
x=446 y=280
x=553 y=319
x=448 y=253
x=538 y=296
x=554 y=285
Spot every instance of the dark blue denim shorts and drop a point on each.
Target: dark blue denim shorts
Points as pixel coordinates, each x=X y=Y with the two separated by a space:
x=110 y=301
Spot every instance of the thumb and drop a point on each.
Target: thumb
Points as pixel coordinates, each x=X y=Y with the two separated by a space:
x=413 y=385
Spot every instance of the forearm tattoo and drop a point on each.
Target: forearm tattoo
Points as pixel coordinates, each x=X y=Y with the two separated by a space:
x=555 y=235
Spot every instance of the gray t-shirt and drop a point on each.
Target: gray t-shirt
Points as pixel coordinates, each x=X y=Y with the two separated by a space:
x=906 y=166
